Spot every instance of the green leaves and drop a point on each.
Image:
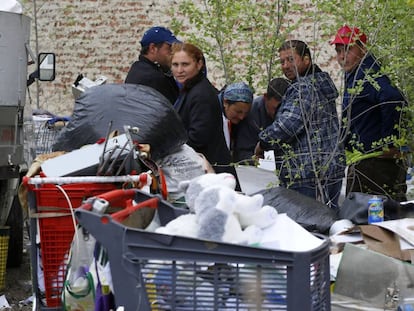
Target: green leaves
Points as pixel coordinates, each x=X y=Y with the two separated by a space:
x=242 y=36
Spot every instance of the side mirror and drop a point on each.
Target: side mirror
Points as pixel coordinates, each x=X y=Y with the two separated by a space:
x=46 y=66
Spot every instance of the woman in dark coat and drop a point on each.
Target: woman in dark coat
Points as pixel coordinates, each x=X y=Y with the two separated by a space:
x=199 y=108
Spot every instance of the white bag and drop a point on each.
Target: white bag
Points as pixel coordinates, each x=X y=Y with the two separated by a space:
x=185 y=164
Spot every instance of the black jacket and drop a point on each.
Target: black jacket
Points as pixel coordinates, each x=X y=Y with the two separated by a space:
x=200 y=112
x=199 y=109
x=152 y=74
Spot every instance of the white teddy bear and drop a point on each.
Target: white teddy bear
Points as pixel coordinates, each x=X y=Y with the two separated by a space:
x=219 y=213
x=194 y=186
x=184 y=225
x=215 y=210
x=187 y=225
x=250 y=211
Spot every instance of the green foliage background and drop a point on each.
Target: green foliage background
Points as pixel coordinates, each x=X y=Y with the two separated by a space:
x=243 y=36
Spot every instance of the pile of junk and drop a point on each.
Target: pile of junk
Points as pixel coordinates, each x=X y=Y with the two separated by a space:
x=114 y=178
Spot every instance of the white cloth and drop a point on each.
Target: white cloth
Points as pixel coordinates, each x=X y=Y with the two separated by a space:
x=11 y=6
x=226 y=130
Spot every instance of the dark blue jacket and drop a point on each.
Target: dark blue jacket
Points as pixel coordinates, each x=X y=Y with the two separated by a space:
x=372 y=108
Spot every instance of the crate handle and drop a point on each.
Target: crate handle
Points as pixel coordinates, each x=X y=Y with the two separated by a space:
x=124 y=198
x=113 y=197
x=130 y=208
x=142 y=178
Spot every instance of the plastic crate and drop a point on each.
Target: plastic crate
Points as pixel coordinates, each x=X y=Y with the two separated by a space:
x=160 y=272
x=51 y=215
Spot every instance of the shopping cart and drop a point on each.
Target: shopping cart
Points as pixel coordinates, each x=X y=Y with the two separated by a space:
x=52 y=201
x=157 y=272
x=46 y=130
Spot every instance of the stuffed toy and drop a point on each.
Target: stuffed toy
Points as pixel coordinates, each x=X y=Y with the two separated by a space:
x=187 y=225
x=250 y=211
x=194 y=186
x=184 y=225
x=219 y=213
x=214 y=208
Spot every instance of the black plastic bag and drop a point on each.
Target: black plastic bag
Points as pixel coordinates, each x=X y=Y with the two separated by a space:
x=309 y=213
x=123 y=104
x=355 y=208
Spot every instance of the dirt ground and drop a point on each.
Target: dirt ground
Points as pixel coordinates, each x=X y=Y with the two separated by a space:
x=18 y=287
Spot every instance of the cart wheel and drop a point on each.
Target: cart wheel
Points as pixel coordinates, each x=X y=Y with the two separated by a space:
x=15 y=222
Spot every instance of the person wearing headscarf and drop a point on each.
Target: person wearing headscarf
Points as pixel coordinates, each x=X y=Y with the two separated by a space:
x=235 y=102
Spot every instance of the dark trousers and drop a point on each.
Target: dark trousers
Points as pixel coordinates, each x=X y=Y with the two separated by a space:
x=384 y=176
x=331 y=189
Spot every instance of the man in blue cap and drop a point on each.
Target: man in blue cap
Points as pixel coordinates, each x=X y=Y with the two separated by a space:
x=153 y=65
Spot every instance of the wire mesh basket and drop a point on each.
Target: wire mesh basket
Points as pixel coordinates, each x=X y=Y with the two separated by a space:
x=154 y=272
x=46 y=130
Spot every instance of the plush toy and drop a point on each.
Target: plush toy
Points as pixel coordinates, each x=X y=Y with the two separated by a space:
x=184 y=225
x=250 y=211
x=194 y=186
x=214 y=208
x=219 y=213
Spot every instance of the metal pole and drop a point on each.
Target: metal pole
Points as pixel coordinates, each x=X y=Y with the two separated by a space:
x=37 y=52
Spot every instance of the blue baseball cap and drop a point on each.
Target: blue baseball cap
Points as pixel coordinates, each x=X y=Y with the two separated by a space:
x=158 y=35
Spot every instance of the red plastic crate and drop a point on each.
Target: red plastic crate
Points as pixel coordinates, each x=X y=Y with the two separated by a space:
x=56 y=232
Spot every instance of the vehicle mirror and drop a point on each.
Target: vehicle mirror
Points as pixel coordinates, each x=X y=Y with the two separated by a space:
x=46 y=66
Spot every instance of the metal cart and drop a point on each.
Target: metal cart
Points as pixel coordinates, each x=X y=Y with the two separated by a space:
x=51 y=202
x=157 y=272
x=45 y=132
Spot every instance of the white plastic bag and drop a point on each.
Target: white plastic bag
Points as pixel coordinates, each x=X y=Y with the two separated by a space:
x=185 y=164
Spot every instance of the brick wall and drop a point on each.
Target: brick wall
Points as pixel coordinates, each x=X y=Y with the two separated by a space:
x=101 y=37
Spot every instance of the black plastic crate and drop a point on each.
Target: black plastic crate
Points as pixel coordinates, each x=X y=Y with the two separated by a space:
x=157 y=272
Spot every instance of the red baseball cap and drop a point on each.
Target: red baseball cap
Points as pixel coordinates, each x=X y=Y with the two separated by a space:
x=348 y=35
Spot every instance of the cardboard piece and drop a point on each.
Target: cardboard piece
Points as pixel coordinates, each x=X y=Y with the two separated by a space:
x=380 y=238
x=372 y=277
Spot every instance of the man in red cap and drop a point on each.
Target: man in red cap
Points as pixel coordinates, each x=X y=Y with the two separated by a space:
x=371 y=110
x=153 y=65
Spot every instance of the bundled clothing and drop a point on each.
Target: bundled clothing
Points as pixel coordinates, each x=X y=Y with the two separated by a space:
x=152 y=74
x=305 y=137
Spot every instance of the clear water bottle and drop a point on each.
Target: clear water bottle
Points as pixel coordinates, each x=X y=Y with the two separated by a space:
x=375 y=210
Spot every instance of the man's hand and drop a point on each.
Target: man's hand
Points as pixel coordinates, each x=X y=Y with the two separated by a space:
x=258 y=151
